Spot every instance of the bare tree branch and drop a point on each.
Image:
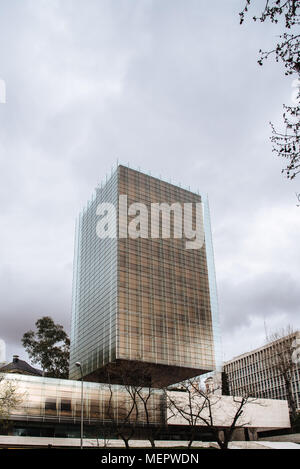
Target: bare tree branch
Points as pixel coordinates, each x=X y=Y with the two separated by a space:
x=287 y=50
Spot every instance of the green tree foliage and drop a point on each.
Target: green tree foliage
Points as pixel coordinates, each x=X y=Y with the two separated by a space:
x=49 y=346
x=285 y=13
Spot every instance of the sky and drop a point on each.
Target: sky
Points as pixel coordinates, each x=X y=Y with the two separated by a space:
x=170 y=87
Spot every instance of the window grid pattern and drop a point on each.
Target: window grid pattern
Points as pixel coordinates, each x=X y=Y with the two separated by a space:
x=165 y=312
x=60 y=400
x=94 y=304
x=147 y=300
x=256 y=372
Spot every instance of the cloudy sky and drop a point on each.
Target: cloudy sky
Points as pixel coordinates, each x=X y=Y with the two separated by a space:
x=169 y=86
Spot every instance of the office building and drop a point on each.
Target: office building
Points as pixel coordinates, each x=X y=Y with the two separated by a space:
x=143 y=295
x=261 y=371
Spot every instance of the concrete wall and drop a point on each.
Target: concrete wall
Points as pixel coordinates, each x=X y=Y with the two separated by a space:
x=257 y=413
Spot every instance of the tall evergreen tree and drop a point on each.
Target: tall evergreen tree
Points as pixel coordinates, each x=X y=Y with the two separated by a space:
x=48 y=346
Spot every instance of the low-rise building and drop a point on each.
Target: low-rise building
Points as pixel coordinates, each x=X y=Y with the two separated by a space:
x=51 y=407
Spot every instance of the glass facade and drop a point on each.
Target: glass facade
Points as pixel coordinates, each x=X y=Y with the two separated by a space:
x=94 y=302
x=59 y=400
x=212 y=286
x=150 y=300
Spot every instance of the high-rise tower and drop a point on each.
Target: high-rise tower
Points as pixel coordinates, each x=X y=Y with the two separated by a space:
x=142 y=293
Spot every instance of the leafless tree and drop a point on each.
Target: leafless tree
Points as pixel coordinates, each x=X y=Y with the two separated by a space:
x=286 y=13
x=280 y=359
x=196 y=406
x=140 y=405
x=191 y=409
x=152 y=403
x=121 y=410
x=10 y=398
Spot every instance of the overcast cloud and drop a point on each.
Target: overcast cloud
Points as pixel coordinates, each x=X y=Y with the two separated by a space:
x=169 y=86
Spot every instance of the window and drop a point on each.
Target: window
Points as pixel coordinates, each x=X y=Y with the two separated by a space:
x=65 y=405
x=50 y=405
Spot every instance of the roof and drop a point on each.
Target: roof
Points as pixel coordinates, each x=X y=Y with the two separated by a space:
x=20 y=366
x=263 y=347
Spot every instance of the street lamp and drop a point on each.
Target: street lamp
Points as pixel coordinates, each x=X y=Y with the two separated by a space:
x=81 y=418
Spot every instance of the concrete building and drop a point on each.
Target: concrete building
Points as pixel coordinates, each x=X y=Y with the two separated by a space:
x=261 y=371
x=141 y=297
x=257 y=415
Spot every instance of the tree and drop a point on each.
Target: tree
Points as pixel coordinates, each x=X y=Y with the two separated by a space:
x=121 y=409
x=152 y=402
x=122 y=413
x=281 y=360
x=199 y=407
x=286 y=144
x=188 y=407
x=48 y=346
x=139 y=404
x=9 y=398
